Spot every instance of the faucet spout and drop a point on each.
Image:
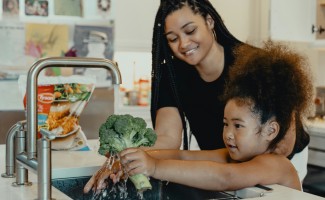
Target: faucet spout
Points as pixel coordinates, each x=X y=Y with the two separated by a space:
x=41 y=161
x=32 y=76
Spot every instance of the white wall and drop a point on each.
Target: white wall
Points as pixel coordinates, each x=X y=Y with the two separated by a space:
x=135 y=19
x=134 y=23
x=237 y=16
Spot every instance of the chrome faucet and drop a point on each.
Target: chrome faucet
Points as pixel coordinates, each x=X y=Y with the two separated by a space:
x=37 y=157
x=15 y=134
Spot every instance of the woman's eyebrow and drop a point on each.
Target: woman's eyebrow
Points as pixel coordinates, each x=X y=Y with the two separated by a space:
x=181 y=28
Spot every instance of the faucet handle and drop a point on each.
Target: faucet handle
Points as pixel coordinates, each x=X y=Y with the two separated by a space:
x=47 y=134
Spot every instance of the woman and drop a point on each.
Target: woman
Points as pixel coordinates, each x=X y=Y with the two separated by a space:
x=191 y=55
x=266 y=87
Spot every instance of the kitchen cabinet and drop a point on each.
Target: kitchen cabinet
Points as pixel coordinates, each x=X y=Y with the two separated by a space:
x=302 y=20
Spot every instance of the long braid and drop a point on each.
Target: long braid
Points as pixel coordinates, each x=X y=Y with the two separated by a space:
x=156 y=66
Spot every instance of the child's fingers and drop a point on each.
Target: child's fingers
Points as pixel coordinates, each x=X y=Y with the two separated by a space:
x=89 y=184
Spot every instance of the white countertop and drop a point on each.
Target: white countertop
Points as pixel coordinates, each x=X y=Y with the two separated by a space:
x=85 y=163
x=65 y=164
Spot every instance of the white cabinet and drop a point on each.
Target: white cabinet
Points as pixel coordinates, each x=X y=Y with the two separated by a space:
x=293 y=20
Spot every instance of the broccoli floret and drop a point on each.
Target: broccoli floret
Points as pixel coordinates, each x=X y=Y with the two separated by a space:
x=111 y=121
x=123 y=131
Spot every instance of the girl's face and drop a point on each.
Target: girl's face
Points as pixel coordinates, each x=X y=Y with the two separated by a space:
x=242 y=133
x=189 y=35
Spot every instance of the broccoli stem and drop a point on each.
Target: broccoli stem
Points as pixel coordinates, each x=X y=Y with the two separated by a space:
x=141 y=182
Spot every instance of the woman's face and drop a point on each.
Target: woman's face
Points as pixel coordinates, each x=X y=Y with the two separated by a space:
x=242 y=133
x=189 y=35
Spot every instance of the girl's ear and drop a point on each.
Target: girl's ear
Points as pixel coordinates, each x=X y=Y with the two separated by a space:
x=210 y=22
x=271 y=130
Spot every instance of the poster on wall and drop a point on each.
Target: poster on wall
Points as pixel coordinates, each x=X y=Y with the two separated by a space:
x=99 y=9
x=36 y=7
x=45 y=40
x=68 y=8
x=10 y=9
x=95 y=42
x=12 y=47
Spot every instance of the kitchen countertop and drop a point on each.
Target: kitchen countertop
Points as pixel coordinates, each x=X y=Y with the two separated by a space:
x=65 y=164
x=85 y=163
x=316 y=129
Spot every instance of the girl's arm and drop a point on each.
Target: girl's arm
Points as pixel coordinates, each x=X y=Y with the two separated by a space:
x=264 y=169
x=219 y=155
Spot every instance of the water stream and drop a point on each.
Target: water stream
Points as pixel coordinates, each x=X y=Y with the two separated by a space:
x=119 y=190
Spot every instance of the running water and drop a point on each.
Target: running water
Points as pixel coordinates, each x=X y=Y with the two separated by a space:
x=118 y=190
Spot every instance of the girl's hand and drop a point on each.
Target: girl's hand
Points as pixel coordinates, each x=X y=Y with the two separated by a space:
x=100 y=179
x=137 y=161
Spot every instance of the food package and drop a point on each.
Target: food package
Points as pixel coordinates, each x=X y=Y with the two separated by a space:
x=60 y=101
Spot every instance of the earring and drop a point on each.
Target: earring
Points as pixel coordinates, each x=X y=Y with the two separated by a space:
x=214 y=34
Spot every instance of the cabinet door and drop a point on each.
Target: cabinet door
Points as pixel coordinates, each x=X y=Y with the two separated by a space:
x=292 y=20
x=320 y=19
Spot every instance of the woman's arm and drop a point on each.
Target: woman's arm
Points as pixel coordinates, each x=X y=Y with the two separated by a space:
x=168 y=128
x=265 y=169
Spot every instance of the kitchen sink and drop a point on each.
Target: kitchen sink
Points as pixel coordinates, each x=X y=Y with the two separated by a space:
x=161 y=190
x=73 y=187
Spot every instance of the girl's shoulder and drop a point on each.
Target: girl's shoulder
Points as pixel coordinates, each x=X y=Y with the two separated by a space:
x=271 y=159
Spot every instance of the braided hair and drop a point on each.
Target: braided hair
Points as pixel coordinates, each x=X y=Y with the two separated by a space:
x=162 y=54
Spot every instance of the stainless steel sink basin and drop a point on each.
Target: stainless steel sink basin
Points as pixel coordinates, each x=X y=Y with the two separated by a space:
x=73 y=187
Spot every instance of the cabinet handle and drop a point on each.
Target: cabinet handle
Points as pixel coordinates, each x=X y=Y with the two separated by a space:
x=319 y=29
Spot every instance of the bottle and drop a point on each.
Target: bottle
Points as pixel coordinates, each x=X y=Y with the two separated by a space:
x=144 y=89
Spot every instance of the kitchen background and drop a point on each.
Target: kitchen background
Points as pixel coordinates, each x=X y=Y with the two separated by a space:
x=121 y=30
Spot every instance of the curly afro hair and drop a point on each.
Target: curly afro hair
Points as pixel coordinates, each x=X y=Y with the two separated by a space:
x=274 y=81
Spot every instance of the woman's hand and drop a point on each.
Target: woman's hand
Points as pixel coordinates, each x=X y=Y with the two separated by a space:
x=109 y=171
x=137 y=161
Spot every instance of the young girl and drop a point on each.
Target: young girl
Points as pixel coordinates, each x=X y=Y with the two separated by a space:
x=265 y=89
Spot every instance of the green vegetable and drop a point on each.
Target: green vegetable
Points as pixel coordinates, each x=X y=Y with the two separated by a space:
x=124 y=131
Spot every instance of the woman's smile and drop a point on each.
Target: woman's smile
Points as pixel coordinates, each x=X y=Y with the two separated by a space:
x=191 y=51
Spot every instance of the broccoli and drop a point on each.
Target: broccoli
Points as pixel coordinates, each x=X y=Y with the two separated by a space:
x=123 y=131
